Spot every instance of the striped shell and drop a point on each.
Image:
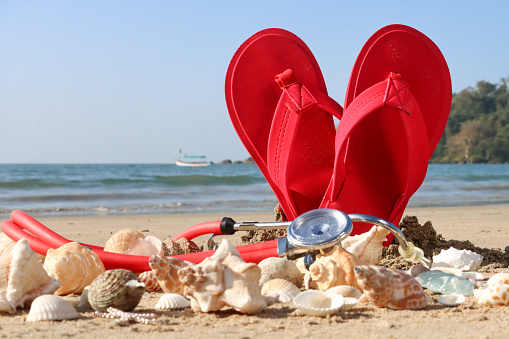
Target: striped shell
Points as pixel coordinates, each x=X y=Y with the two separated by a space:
x=172 y=301
x=165 y=270
x=150 y=280
x=389 y=287
x=51 y=307
x=181 y=246
x=74 y=265
x=318 y=303
x=496 y=294
x=121 y=241
x=280 y=289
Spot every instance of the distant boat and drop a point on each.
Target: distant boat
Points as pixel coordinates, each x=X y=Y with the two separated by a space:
x=199 y=161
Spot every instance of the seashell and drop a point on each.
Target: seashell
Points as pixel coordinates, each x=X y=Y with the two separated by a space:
x=334 y=268
x=318 y=303
x=147 y=246
x=502 y=278
x=389 y=287
x=280 y=289
x=83 y=301
x=172 y=301
x=6 y=244
x=349 y=303
x=415 y=270
x=74 y=265
x=306 y=275
x=166 y=272
x=117 y=288
x=346 y=291
x=496 y=294
x=462 y=259
x=223 y=279
x=149 y=278
x=51 y=307
x=367 y=246
x=451 y=299
x=445 y=283
x=280 y=268
x=181 y=246
x=22 y=278
x=121 y=241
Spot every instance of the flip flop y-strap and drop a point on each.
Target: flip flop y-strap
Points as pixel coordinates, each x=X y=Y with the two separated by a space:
x=396 y=94
x=284 y=155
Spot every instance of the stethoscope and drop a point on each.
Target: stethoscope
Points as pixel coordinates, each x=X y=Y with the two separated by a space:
x=311 y=233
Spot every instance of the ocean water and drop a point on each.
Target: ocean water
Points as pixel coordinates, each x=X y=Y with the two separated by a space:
x=95 y=189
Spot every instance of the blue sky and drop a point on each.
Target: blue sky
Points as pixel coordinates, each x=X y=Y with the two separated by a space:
x=135 y=81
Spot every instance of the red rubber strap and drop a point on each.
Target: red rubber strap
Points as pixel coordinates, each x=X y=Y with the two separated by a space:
x=16 y=233
x=211 y=227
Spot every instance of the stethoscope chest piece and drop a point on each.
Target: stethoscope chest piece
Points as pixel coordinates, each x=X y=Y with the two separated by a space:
x=319 y=229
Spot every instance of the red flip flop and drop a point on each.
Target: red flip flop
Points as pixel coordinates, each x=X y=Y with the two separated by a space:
x=396 y=108
x=278 y=103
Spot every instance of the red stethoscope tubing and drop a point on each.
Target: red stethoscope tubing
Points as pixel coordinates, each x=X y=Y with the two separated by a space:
x=42 y=238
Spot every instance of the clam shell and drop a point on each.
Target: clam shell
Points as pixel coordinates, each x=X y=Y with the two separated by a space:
x=318 y=303
x=116 y=288
x=51 y=307
x=349 y=303
x=172 y=301
x=280 y=289
x=345 y=290
x=451 y=300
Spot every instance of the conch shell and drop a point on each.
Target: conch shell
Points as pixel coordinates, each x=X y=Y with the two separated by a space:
x=181 y=246
x=390 y=287
x=165 y=270
x=367 y=246
x=22 y=278
x=121 y=241
x=223 y=279
x=6 y=244
x=334 y=268
x=74 y=265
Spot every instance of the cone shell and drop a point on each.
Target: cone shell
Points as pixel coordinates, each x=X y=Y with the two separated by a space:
x=150 y=280
x=318 y=303
x=496 y=294
x=166 y=271
x=121 y=241
x=335 y=268
x=74 y=265
x=392 y=288
x=172 y=301
x=51 y=307
x=280 y=289
x=22 y=278
x=367 y=246
x=116 y=288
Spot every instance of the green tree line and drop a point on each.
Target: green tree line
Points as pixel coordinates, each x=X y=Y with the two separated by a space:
x=478 y=127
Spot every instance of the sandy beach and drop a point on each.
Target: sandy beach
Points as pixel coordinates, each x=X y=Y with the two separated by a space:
x=485 y=226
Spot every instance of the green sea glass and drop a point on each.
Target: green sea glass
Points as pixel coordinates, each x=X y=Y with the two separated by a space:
x=446 y=283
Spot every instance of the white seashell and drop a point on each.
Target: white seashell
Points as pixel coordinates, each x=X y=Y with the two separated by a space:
x=280 y=268
x=147 y=246
x=121 y=241
x=83 y=302
x=462 y=259
x=345 y=290
x=502 y=278
x=281 y=290
x=451 y=299
x=318 y=303
x=51 y=307
x=415 y=270
x=367 y=246
x=172 y=301
x=349 y=303
x=496 y=294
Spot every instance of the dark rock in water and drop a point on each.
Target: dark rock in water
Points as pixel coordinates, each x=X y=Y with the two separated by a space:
x=225 y=162
x=238 y=162
x=248 y=161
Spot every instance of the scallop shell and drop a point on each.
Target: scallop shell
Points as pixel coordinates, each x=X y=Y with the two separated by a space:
x=51 y=307
x=74 y=265
x=349 y=303
x=389 y=287
x=346 y=291
x=149 y=278
x=455 y=258
x=280 y=289
x=451 y=299
x=22 y=278
x=121 y=241
x=334 y=268
x=367 y=246
x=166 y=272
x=280 y=268
x=496 y=294
x=502 y=278
x=116 y=288
x=172 y=301
x=318 y=303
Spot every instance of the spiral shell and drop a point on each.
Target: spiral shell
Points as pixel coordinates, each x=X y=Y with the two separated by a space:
x=181 y=246
x=149 y=278
x=172 y=301
x=280 y=289
x=51 y=307
x=318 y=303
x=121 y=241
x=116 y=288
x=74 y=265
x=367 y=246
